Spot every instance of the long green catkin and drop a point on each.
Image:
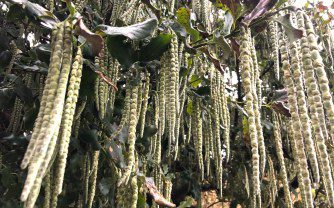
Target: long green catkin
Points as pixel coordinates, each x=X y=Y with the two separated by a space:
x=199 y=139
x=280 y=156
x=296 y=124
x=316 y=113
x=320 y=72
x=48 y=138
x=67 y=118
x=303 y=111
x=49 y=94
x=245 y=68
x=257 y=107
x=132 y=135
x=93 y=177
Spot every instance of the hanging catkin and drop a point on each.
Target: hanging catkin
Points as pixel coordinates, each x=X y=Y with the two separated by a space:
x=280 y=156
x=320 y=72
x=93 y=177
x=67 y=118
x=256 y=106
x=316 y=112
x=171 y=91
x=144 y=106
x=245 y=68
x=216 y=127
x=303 y=112
x=132 y=134
x=46 y=138
x=296 y=124
x=199 y=137
x=273 y=40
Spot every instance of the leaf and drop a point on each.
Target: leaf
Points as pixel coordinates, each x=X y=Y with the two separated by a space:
x=190 y=108
x=195 y=80
x=213 y=60
x=183 y=18
x=38 y=13
x=6 y=94
x=228 y=22
x=280 y=95
x=262 y=7
x=220 y=40
x=150 y=131
x=90 y=136
x=134 y=32
x=292 y=32
x=156 y=195
x=281 y=108
x=203 y=90
x=154 y=50
x=121 y=50
x=105 y=185
x=95 y=40
x=188 y=202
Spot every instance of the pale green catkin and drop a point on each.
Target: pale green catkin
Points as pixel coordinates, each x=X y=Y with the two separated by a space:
x=216 y=127
x=273 y=182
x=257 y=107
x=316 y=112
x=296 y=124
x=303 y=111
x=48 y=93
x=14 y=51
x=199 y=137
x=140 y=98
x=67 y=118
x=162 y=93
x=273 y=39
x=245 y=68
x=280 y=156
x=320 y=72
x=47 y=191
x=93 y=177
x=171 y=88
x=132 y=134
x=144 y=106
x=36 y=152
x=45 y=149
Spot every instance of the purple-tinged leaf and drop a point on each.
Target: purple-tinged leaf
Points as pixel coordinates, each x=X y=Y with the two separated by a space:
x=262 y=7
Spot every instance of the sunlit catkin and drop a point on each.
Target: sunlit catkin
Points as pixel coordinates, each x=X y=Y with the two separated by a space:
x=316 y=112
x=245 y=68
x=132 y=135
x=296 y=124
x=280 y=156
x=320 y=72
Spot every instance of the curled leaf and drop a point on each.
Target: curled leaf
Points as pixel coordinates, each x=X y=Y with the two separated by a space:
x=214 y=60
x=281 y=108
x=95 y=40
x=292 y=32
x=134 y=32
x=156 y=195
x=262 y=7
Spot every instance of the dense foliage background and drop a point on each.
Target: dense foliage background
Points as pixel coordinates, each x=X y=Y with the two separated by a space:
x=135 y=40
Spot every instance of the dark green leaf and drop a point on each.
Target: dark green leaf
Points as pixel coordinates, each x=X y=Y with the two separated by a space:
x=90 y=136
x=157 y=46
x=121 y=50
x=41 y=15
x=203 y=90
x=135 y=32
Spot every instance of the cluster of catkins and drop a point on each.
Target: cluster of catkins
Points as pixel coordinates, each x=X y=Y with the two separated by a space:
x=52 y=130
x=310 y=105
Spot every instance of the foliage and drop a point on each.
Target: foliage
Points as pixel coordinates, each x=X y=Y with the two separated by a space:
x=151 y=103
